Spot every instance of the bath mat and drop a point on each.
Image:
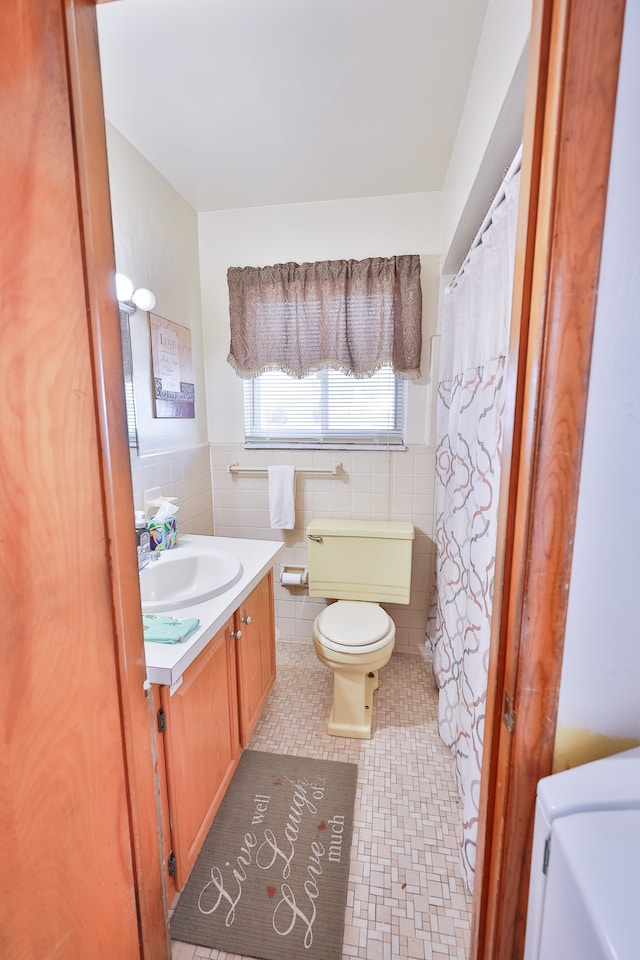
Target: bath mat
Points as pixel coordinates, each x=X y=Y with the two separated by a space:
x=271 y=879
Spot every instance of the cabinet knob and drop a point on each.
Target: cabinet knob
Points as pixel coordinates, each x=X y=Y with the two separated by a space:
x=246 y=620
x=236 y=633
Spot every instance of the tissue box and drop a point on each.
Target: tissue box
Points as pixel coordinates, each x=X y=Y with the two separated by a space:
x=170 y=532
x=163 y=534
x=156 y=535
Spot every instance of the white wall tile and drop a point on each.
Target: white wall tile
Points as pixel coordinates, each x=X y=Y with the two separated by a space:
x=374 y=485
x=185 y=474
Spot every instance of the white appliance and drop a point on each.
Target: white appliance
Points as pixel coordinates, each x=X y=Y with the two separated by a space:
x=584 y=895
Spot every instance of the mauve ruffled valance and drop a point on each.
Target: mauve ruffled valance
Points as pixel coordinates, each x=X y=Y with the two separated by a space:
x=349 y=315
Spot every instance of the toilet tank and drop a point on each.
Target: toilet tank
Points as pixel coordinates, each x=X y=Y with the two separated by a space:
x=360 y=560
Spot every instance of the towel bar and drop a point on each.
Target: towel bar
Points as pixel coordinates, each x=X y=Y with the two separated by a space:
x=334 y=471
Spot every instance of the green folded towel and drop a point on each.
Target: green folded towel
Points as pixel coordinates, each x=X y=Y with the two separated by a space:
x=160 y=628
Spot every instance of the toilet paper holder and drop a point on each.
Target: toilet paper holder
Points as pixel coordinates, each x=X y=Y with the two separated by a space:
x=293 y=576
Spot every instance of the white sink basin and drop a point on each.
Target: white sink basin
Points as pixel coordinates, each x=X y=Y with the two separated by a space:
x=186 y=575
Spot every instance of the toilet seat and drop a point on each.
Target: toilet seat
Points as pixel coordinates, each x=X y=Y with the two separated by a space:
x=354 y=627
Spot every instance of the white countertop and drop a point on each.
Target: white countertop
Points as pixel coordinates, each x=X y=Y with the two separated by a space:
x=166 y=662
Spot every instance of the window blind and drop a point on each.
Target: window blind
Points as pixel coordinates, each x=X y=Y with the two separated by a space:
x=325 y=408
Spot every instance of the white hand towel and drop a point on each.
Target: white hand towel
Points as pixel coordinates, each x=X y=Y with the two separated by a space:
x=282 y=509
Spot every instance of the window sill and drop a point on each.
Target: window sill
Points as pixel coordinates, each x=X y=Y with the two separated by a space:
x=283 y=445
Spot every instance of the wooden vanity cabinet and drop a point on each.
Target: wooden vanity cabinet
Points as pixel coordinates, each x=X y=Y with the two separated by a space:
x=256 y=655
x=201 y=746
x=204 y=723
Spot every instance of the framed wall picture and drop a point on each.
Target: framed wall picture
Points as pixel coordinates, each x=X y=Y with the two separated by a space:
x=172 y=368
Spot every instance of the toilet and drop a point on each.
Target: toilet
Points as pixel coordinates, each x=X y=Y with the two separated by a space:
x=358 y=564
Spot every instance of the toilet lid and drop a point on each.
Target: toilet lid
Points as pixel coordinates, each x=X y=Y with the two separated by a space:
x=353 y=623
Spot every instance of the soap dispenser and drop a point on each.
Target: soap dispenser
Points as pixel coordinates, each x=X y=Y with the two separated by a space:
x=142 y=539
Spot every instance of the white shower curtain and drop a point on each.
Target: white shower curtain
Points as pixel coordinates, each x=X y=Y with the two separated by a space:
x=470 y=410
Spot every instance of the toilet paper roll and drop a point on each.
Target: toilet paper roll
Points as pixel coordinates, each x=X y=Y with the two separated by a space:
x=289 y=579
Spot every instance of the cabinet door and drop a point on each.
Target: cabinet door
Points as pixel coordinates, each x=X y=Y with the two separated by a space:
x=165 y=818
x=201 y=746
x=256 y=653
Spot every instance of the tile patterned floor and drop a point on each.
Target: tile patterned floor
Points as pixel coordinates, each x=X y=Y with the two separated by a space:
x=406 y=900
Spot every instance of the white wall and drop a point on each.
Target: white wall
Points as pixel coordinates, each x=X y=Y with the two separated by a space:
x=342 y=229
x=600 y=688
x=156 y=246
x=375 y=484
x=490 y=129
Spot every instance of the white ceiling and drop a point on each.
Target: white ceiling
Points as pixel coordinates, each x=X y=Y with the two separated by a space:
x=242 y=103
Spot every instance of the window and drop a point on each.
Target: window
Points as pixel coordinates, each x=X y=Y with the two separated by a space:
x=325 y=349
x=323 y=409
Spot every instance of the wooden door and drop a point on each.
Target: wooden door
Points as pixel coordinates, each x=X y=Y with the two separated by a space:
x=78 y=832
x=256 y=654
x=201 y=746
x=574 y=61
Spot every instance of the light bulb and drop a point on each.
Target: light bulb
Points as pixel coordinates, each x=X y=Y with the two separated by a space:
x=124 y=287
x=144 y=299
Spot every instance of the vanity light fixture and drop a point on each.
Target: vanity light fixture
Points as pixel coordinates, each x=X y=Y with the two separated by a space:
x=130 y=300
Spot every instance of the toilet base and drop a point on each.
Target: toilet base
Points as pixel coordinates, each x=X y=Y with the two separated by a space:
x=353 y=722
x=354 y=684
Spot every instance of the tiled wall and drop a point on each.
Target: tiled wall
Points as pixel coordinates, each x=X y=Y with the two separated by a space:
x=374 y=485
x=185 y=474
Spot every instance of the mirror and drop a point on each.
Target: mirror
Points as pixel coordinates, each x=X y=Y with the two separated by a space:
x=127 y=365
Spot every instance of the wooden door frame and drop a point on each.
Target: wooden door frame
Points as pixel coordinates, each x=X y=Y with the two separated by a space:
x=571 y=95
x=136 y=704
